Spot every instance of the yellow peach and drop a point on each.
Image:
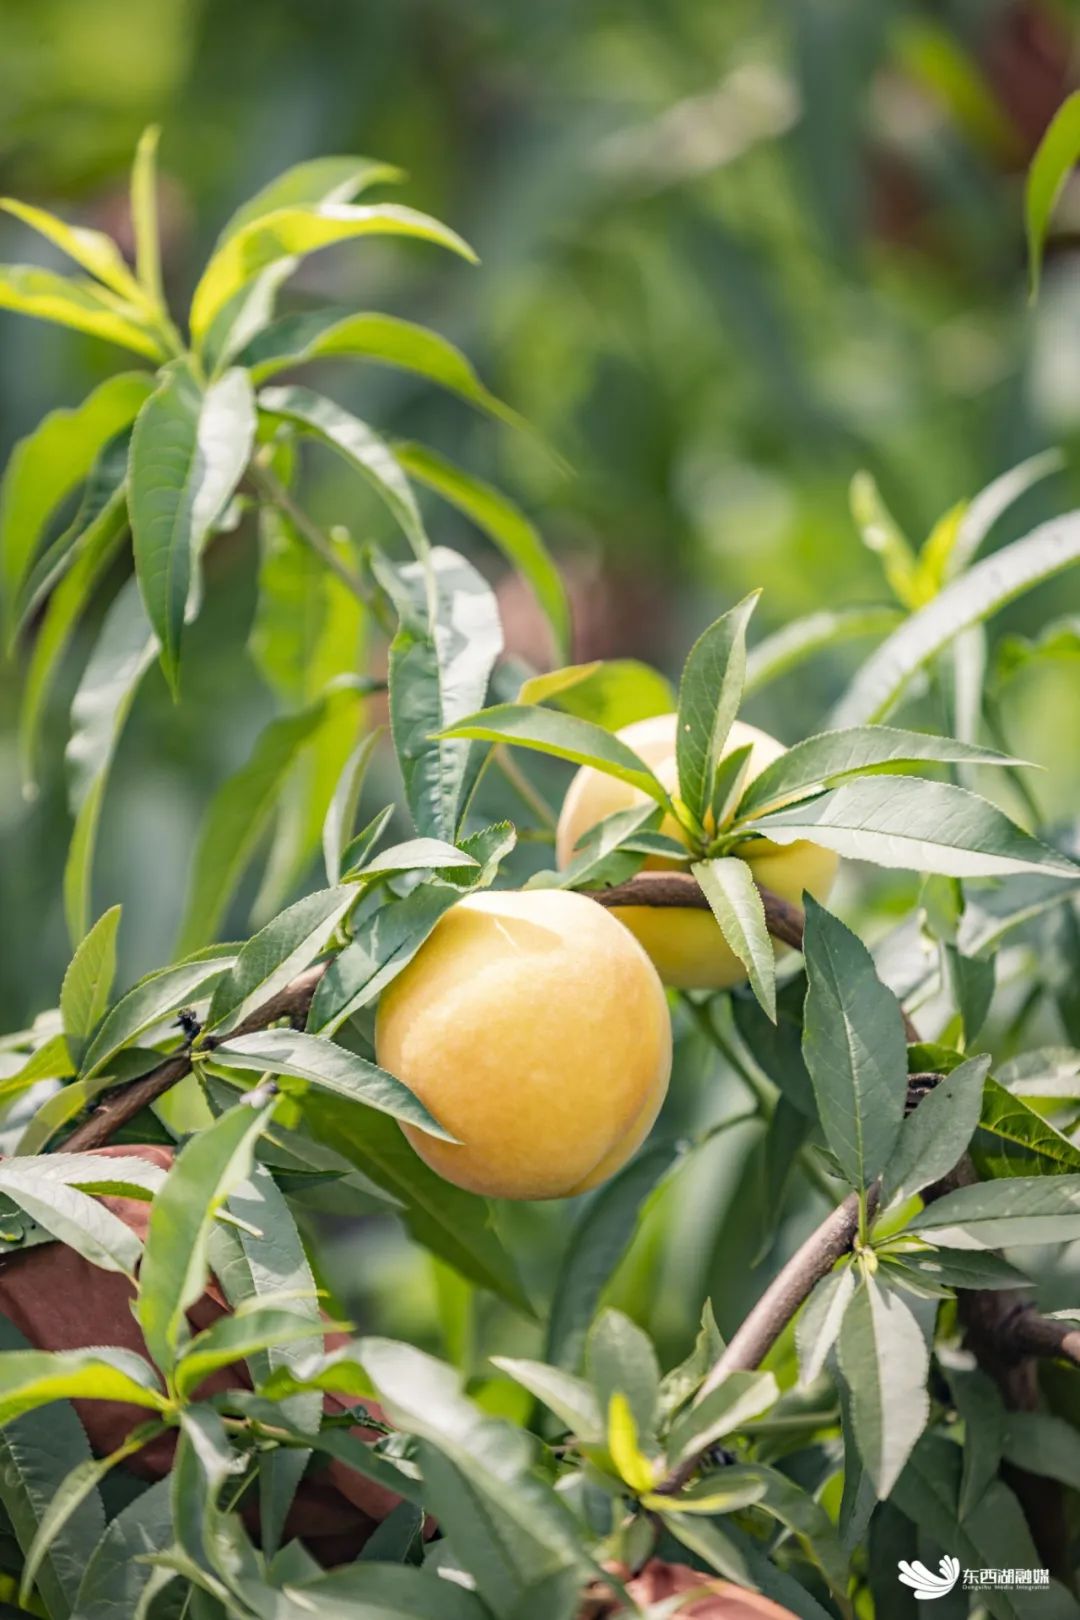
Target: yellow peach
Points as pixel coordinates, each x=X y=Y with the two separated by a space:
x=686 y=946
x=535 y=1029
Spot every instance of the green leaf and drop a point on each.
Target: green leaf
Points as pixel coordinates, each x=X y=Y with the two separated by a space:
x=189 y=450
x=380 y=339
x=885 y=1362
x=786 y=649
x=330 y=1068
x=360 y=446
x=1041 y=1443
x=570 y=1398
x=144 y=215
x=382 y=1591
x=276 y=954
x=75 y=302
x=446 y=645
x=598 y=1241
x=293 y=231
x=415 y=855
x=174 y=1269
x=741 y=1397
x=233 y=1339
x=992 y=503
x=382 y=945
x=1026 y=1136
x=917 y=826
x=94 y=553
x=677 y=1386
x=453 y=1224
x=71 y=1216
x=881 y=535
x=36 y=1451
x=818 y=1324
x=944 y=1270
x=709 y=696
x=91 y=250
x=620 y=1360
x=937 y=1132
x=1010 y=1212
x=46 y=467
x=125 y=650
x=33 y=1378
x=1051 y=166
x=824 y=760
x=316 y=180
x=505 y=525
x=566 y=737
x=854 y=1047
x=341 y=813
x=84 y=994
x=729 y=887
x=611 y=692
x=117 y=1571
x=261 y=1257
x=974 y=596
x=50 y=1061
x=149 y=1003
x=71 y=1494
x=239 y=813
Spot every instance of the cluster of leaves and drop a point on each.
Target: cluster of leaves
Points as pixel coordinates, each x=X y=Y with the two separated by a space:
x=847 y=1444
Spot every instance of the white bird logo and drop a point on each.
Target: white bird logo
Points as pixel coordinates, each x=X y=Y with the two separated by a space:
x=924 y=1583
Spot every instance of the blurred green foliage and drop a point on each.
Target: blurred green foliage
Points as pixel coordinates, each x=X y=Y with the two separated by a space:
x=731 y=254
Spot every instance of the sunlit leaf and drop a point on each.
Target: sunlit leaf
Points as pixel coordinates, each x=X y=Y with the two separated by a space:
x=1051 y=166
x=728 y=885
x=1009 y=1212
x=792 y=645
x=709 y=696
x=563 y=735
x=275 y=955
x=84 y=994
x=76 y=302
x=935 y=1135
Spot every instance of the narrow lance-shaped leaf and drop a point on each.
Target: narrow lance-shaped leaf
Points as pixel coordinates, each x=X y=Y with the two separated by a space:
x=150 y=1002
x=291 y=232
x=118 y=1571
x=76 y=302
x=1010 y=1212
x=341 y=812
x=189 y=450
x=1014 y=1138
x=144 y=214
x=933 y=1138
x=729 y=887
x=991 y=503
x=316 y=180
x=92 y=250
x=854 y=1047
x=71 y=1216
x=1051 y=166
x=32 y=1378
x=885 y=1363
x=174 y=1266
x=504 y=524
x=84 y=994
x=570 y=1398
x=826 y=759
x=918 y=826
x=709 y=696
x=276 y=954
x=620 y=1361
x=565 y=736
x=50 y=463
x=330 y=1068
x=976 y=595
x=125 y=650
x=440 y=660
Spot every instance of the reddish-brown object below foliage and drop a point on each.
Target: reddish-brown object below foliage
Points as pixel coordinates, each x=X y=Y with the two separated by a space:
x=720 y=1600
x=59 y=1301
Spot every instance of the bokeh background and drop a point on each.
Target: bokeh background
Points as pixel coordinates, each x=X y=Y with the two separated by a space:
x=731 y=253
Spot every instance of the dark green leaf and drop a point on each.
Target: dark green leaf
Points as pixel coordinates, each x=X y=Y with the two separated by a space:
x=566 y=737
x=620 y=1360
x=383 y=944
x=824 y=760
x=934 y=1136
x=1014 y=1211
x=854 y=1047
x=447 y=642
x=885 y=1364
x=329 y=1068
x=276 y=954
x=189 y=450
x=1024 y=1136
x=175 y=1264
x=116 y=1574
x=709 y=696
x=734 y=1402
x=918 y=826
